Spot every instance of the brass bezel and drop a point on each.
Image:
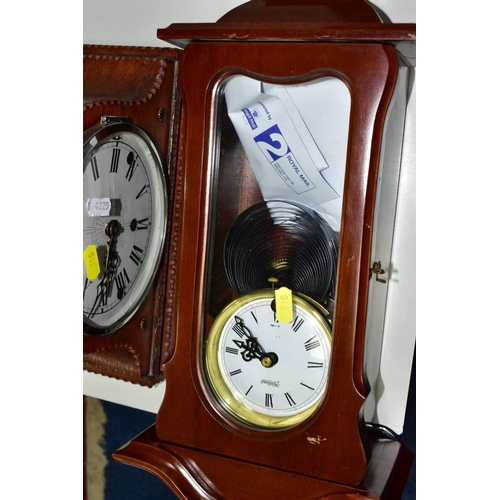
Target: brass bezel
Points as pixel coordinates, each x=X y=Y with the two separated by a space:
x=223 y=393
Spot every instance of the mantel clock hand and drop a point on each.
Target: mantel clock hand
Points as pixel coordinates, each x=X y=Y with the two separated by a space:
x=112 y=230
x=252 y=349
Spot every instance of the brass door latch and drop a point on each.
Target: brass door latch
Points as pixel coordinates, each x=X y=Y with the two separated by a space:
x=377 y=269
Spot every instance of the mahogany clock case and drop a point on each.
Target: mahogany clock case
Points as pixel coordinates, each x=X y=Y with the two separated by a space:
x=137 y=83
x=217 y=181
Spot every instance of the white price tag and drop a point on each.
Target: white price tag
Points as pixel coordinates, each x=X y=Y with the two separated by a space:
x=98 y=207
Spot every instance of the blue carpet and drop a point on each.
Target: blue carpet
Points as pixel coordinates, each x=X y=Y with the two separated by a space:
x=408 y=437
x=124 y=482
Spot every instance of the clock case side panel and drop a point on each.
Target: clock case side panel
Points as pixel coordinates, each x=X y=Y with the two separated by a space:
x=139 y=83
x=383 y=235
x=188 y=403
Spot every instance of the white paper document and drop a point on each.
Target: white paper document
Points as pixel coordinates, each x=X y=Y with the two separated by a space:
x=295 y=138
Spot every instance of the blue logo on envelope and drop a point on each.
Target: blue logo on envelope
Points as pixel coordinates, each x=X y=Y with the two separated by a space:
x=250 y=118
x=272 y=143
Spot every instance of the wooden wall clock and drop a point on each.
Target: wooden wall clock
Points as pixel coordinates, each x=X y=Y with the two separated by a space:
x=257 y=405
x=130 y=102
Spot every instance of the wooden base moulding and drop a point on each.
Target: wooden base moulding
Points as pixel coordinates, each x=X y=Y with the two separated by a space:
x=193 y=474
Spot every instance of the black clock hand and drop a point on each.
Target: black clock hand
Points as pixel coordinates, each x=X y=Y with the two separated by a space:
x=252 y=349
x=112 y=230
x=101 y=298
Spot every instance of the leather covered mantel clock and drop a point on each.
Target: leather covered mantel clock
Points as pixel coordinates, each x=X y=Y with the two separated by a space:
x=284 y=177
x=130 y=102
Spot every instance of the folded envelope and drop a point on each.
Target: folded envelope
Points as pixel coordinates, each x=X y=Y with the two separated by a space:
x=274 y=124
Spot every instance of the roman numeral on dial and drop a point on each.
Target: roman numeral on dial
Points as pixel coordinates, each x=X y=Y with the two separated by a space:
x=297 y=323
x=122 y=280
x=85 y=286
x=115 y=159
x=95 y=168
x=101 y=299
x=312 y=343
x=238 y=329
x=142 y=224
x=291 y=402
x=269 y=400
x=136 y=255
x=132 y=161
x=308 y=386
x=314 y=364
x=143 y=190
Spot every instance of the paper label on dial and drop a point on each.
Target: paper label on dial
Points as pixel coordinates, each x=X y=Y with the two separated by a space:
x=91 y=260
x=284 y=305
x=98 y=207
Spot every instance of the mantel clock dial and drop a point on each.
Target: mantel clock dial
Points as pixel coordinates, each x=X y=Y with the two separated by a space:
x=264 y=372
x=124 y=221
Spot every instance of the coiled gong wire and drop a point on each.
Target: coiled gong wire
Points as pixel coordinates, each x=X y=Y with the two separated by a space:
x=285 y=241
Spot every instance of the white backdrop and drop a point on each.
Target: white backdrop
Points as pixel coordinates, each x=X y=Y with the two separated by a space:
x=135 y=22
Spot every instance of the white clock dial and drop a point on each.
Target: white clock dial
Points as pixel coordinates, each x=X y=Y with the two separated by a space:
x=265 y=372
x=124 y=222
